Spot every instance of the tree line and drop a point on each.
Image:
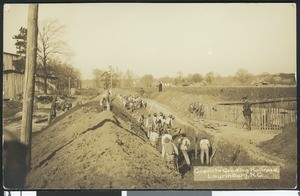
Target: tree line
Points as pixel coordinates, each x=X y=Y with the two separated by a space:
x=51 y=55
x=102 y=79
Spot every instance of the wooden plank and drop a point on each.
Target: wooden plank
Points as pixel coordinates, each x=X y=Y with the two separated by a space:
x=265 y=119
x=260 y=102
x=277 y=118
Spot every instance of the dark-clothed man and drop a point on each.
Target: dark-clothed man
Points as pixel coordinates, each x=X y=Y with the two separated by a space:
x=160 y=87
x=247 y=113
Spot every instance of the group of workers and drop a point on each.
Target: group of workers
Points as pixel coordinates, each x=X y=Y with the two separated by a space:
x=161 y=132
x=197 y=109
x=161 y=127
x=132 y=102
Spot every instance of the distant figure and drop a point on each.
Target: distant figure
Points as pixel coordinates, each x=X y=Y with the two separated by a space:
x=160 y=87
x=142 y=92
x=247 y=114
x=184 y=145
x=204 y=148
x=106 y=99
x=52 y=112
x=141 y=121
x=170 y=154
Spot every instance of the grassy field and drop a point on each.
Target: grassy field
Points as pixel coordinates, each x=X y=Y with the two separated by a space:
x=233 y=93
x=236 y=93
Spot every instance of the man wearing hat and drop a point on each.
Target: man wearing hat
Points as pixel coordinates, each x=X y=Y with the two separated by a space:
x=160 y=121
x=155 y=118
x=154 y=137
x=170 y=153
x=165 y=135
x=247 y=113
x=149 y=124
x=169 y=121
x=184 y=145
x=160 y=86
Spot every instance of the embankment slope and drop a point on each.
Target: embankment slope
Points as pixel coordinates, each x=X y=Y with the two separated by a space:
x=89 y=149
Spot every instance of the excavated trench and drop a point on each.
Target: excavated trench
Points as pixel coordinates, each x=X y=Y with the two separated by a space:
x=95 y=149
x=230 y=153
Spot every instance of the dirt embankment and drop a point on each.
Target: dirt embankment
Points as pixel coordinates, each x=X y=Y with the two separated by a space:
x=235 y=146
x=283 y=145
x=94 y=150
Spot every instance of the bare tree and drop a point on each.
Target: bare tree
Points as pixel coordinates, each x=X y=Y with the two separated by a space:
x=50 y=45
x=147 y=80
x=209 y=77
x=243 y=76
x=179 y=77
x=129 y=78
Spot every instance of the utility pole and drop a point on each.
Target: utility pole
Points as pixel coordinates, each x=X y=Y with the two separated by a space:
x=29 y=81
x=70 y=85
x=110 y=67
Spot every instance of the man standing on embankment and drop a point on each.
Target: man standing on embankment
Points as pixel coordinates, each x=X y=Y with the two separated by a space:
x=247 y=113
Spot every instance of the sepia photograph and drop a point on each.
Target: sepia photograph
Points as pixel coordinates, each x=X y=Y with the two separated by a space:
x=149 y=96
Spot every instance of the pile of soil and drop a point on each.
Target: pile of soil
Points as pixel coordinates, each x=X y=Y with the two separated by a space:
x=284 y=144
x=89 y=149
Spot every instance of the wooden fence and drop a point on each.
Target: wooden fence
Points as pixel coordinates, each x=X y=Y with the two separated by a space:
x=261 y=118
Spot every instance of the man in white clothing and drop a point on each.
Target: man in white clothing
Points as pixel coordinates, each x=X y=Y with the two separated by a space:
x=149 y=125
x=184 y=146
x=164 y=136
x=154 y=138
x=204 y=148
x=169 y=121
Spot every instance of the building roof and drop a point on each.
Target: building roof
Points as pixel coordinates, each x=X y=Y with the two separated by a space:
x=11 y=54
x=12 y=71
x=20 y=72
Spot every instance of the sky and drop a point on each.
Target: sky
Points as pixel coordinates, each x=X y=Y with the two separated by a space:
x=164 y=39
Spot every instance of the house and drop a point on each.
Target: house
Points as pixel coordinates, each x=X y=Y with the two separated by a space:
x=13 y=77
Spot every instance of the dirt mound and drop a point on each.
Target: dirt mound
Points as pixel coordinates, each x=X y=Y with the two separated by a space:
x=90 y=149
x=283 y=145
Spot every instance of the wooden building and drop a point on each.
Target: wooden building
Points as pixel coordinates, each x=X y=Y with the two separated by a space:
x=13 y=78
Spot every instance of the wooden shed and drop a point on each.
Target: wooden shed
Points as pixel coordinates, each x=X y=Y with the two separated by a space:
x=13 y=78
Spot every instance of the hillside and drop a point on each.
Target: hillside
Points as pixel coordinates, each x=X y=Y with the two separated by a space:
x=97 y=150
